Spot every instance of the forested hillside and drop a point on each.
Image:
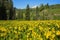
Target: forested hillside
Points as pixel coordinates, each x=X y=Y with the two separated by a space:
x=42 y=12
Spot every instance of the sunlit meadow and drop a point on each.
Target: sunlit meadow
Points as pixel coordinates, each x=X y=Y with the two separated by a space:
x=30 y=30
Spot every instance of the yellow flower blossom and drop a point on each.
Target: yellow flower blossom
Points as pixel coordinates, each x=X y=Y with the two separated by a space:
x=53 y=30
x=52 y=36
x=3 y=31
x=47 y=34
x=57 y=32
x=41 y=28
x=33 y=33
x=58 y=25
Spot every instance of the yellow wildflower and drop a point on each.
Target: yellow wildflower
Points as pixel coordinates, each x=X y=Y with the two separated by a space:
x=57 y=32
x=58 y=25
x=41 y=28
x=3 y=31
x=53 y=30
x=53 y=36
x=47 y=34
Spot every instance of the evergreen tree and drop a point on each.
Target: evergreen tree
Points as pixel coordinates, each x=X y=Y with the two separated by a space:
x=37 y=13
x=3 y=15
x=27 y=13
x=0 y=9
x=7 y=11
x=20 y=15
x=47 y=6
x=14 y=13
x=11 y=14
x=41 y=7
x=7 y=6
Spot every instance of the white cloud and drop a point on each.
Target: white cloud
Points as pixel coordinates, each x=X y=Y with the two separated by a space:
x=34 y=6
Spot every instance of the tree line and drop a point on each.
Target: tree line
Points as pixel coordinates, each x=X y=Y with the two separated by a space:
x=29 y=12
x=9 y=12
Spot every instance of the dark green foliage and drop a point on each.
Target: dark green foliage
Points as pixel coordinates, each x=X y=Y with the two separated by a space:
x=41 y=7
x=3 y=15
x=27 y=14
x=55 y=6
x=20 y=15
x=14 y=11
x=7 y=10
x=47 y=6
x=37 y=13
x=11 y=14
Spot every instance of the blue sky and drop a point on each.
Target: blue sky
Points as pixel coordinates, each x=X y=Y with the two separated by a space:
x=22 y=3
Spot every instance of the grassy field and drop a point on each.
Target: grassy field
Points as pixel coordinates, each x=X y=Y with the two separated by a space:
x=30 y=30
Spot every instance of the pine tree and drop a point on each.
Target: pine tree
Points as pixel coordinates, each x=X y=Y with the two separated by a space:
x=41 y=7
x=3 y=15
x=47 y=6
x=14 y=13
x=7 y=6
x=7 y=11
x=37 y=13
x=27 y=13
x=11 y=14
x=20 y=15
x=0 y=9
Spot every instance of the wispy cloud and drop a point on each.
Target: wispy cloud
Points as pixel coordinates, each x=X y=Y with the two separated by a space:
x=34 y=6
